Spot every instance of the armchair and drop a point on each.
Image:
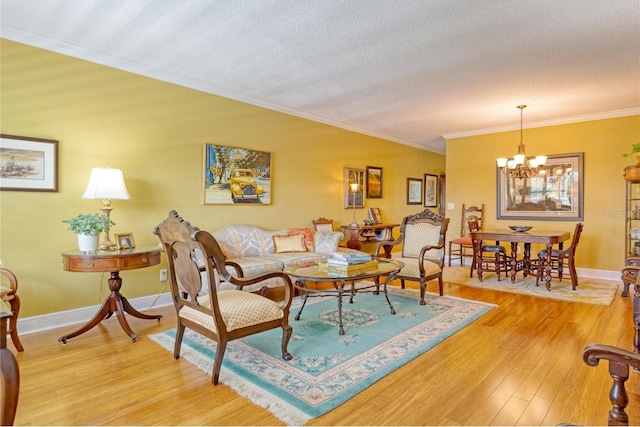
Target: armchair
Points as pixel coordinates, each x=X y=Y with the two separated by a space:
x=422 y=237
x=193 y=257
x=630 y=273
x=9 y=294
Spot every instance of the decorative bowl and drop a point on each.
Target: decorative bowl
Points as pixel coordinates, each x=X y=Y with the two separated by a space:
x=520 y=228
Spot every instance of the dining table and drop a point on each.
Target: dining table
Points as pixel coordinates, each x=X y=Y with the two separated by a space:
x=524 y=264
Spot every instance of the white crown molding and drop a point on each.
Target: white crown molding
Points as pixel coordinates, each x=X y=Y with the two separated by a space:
x=545 y=123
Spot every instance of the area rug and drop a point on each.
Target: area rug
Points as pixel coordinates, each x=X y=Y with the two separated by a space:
x=328 y=369
x=589 y=291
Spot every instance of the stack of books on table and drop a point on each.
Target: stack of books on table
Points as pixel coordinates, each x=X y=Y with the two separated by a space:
x=349 y=263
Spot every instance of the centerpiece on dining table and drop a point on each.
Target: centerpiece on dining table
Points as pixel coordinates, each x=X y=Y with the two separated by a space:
x=520 y=228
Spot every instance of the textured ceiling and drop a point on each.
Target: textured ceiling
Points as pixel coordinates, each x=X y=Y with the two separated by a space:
x=408 y=71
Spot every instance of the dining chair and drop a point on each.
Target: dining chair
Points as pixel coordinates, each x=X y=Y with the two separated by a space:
x=629 y=273
x=422 y=237
x=463 y=243
x=561 y=259
x=487 y=258
x=9 y=294
x=193 y=257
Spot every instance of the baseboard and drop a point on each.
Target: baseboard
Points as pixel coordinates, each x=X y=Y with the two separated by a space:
x=59 y=319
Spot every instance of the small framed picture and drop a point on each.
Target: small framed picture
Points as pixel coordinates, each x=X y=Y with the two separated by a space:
x=430 y=190
x=375 y=215
x=414 y=191
x=374 y=182
x=125 y=241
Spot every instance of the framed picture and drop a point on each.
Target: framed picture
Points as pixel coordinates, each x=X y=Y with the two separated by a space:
x=374 y=182
x=236 y=176
x=554 y=193
x=353 y=176
x=414 y=191
x=28 y=164
x=430 y=190
x=375 y=215
x=125 y=241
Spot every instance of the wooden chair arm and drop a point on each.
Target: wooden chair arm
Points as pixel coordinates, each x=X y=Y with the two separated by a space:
x=593 y=353
x=384 y=243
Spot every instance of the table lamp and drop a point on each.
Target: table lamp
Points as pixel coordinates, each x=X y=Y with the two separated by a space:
x=106 y=184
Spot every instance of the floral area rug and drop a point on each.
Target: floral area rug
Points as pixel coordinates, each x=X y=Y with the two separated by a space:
x=589 y=291
x=328 y=369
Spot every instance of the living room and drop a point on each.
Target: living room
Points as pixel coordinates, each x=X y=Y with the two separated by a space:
x=155 y=132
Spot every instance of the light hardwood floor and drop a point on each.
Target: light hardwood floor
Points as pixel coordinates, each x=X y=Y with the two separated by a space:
x=518 y=365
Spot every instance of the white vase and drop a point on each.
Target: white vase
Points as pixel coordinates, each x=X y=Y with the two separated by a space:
x=88 y=242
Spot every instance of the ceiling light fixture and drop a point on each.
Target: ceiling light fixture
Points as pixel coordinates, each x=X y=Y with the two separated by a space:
x=520 y=166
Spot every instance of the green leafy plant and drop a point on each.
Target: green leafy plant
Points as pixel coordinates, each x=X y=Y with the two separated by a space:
x=89 y=223
x=635 y=149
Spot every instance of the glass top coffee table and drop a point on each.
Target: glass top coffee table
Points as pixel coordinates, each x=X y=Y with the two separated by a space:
x=344 y=283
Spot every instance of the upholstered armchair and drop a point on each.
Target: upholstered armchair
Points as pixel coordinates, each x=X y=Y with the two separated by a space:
x=195 y=260
x=422 y=237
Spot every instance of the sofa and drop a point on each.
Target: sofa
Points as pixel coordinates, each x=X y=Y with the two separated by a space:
x=252 y=250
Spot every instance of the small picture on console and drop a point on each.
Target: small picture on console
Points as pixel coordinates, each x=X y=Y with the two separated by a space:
x=125 y=241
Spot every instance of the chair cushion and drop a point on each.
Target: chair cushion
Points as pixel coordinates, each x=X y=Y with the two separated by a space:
x=419 y=235
x=411 y=269
x=239 y=309
x=462 y=241
x=554 y=252
x=493 y=248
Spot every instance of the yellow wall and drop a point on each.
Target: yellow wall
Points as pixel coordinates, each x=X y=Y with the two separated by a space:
x=471 y=179
x=155 y=132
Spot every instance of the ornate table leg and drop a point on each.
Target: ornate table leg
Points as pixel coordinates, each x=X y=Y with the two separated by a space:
x=477 y=253
x=354 y=239
x=114 y=303
x=340 y=291
x=548 y=268
x=303 y=285
x=527 y=259
x=514 y=261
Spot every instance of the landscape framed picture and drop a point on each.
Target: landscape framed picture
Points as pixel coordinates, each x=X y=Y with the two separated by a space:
x=28 y=164
x=430 y=190
x=414 y=191
x=555 y=193
x=236 y=176
x=374 y=182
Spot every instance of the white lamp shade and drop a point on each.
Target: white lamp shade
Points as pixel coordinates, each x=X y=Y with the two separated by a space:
x=106 y=183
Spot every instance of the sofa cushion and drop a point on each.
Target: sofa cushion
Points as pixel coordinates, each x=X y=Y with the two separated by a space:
x=326 y=242
x=292 y=243
x=239 y=240
x=252 y=265
x=308 y=236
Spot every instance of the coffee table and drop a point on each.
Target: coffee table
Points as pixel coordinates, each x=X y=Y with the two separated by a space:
x=315 y=273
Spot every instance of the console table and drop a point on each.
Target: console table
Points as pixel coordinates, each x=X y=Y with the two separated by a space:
x=111 y=262
x=369 y=233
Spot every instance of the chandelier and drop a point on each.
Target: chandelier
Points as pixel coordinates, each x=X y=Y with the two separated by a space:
x=520 y=166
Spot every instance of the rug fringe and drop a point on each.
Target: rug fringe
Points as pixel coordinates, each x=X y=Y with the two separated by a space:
x=283 y=411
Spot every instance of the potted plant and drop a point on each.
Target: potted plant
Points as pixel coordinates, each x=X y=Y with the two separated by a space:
x=88 y=228
x=635 y=149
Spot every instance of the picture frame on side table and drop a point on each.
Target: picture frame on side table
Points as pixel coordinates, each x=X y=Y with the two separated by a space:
x=28 y=164
x=555 y=193
x=374 y=182
x=353 y=176
x=375 y=215
x=414 y=191
x=125 y=241
x=430 y=190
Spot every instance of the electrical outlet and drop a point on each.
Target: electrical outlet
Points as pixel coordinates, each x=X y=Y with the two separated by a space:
x=163 y=275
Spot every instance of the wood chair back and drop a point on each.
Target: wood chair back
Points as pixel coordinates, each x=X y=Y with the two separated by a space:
x=323 y=224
